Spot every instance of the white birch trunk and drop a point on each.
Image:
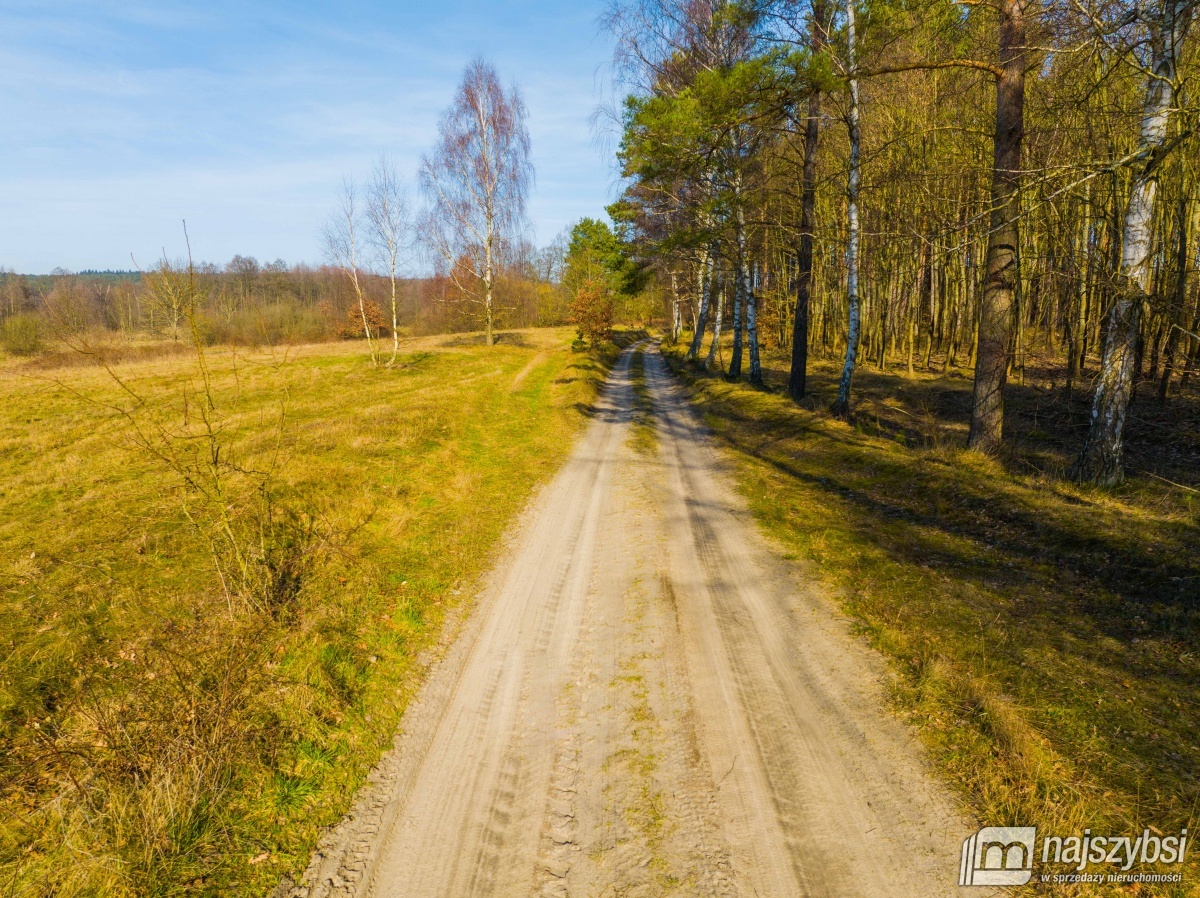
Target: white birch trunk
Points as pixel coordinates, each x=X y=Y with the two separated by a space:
x=713 y=347
x=1101 y=460
x=841 y=405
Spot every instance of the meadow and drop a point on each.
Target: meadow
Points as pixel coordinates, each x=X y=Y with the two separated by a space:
x=219 y=576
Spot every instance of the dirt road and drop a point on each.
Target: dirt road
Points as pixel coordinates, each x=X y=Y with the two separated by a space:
x=645 y=701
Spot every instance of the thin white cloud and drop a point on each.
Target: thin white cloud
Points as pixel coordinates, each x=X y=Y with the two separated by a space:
x=244 y=119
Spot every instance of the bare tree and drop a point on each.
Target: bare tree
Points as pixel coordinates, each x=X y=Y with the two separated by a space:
x=391 y=225
x=245 y=271
x=477 y=180
x=343 y=247
x=165 y=297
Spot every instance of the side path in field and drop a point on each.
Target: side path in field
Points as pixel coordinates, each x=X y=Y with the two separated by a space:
x=646 y=701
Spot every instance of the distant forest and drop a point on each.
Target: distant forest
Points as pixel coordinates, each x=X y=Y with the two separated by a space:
x=247 y=302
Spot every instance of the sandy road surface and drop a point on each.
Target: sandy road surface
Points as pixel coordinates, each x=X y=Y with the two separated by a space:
x=646 y=701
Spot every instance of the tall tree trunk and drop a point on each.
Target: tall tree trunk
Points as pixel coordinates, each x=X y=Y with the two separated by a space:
x=1180 y=316
x=676 y=312
x=362 y=310
x=841 y=405
x=996 y=304
x=885 y=303
x=1077 y=323
x=704 y=275
x=912 y=335
x=395 y=321
x=1087 y=290
x=711 y=362
x=804 y=262
x=924 y=299
x=739 y=289
x=487 y=283
x=751 y=295
x=1101 y=460
x=735 y=354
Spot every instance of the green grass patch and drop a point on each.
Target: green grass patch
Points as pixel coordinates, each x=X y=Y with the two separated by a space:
x=1045 y=637
x=643 y=435
x=163 y=732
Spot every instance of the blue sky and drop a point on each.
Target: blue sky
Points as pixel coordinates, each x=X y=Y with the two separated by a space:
x=117 y=120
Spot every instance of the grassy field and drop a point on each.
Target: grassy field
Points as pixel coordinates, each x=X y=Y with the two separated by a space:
x=213 y=599
x=1045 y=637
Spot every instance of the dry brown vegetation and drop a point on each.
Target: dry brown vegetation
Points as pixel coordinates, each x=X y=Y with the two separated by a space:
x=251 y=305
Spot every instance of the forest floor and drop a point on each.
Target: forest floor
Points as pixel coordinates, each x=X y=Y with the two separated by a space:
x=160 y=736
x=1044 y=637
x=647 y=700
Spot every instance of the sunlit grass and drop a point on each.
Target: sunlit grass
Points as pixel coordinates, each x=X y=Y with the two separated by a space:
x=156 y=740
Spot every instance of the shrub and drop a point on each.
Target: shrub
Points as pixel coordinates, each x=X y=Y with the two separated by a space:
x=352 y=327
x=592 y=311
x=267 y=325
x=22 y=334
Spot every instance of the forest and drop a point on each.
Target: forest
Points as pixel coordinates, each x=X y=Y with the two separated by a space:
x=1008 y=187
x=931 y=276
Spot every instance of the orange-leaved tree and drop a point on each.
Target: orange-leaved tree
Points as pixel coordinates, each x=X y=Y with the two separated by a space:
x=592 y=310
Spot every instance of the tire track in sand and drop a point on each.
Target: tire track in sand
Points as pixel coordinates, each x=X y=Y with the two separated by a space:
x=646 y=701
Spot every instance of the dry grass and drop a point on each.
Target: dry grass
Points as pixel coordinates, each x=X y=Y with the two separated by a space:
x=1045 y=637
x=162 y=734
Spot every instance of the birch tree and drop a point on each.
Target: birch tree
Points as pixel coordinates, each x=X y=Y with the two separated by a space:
x=841 y=405
x=704 y=279
x=344 y=247
x=391 y=224
x=477 y=180
x=1101 y=460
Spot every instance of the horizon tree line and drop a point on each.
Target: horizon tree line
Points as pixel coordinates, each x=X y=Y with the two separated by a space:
x=472 y=230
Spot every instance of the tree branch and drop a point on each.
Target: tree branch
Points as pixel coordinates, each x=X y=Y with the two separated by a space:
x=943 y=64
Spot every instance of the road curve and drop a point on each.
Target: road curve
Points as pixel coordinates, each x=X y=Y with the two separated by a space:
x=645 y=701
